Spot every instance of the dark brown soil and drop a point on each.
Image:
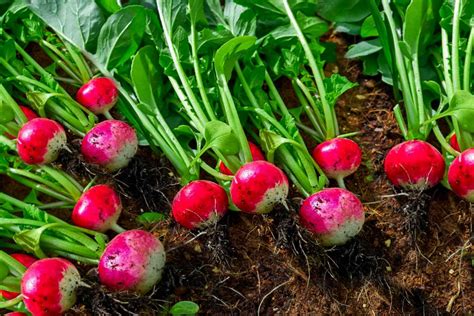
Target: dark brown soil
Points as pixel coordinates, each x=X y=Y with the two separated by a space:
x=410 y=258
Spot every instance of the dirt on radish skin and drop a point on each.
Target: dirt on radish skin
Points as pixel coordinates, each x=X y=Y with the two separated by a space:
x=49 y=286
x=132 y=261
x=334 y=215
x=25 y=260
x=40 y=141
x=414 y=165
x=98 y=95
x=200 y=204
x=111 y=145
x=98 y=208
x=258 y=186
x=338 y=157
x=256 y=155
x=461 y=175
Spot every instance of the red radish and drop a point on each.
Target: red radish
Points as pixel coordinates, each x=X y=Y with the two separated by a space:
x=414 y=164
x=49 y=286
x=25 y=260
x=111 y=144
x=335 y=215
x=200 y=204
x=98 y=209
x=40 y=140
x=256 y=155
x=453 y=141
x=461 y=175
x=98 y=95
x=29 y=113
x=258 y=186
x=15 y=314
x=338 y=157
x=132 y=261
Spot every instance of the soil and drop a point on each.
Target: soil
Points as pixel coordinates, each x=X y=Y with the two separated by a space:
x=410 y=258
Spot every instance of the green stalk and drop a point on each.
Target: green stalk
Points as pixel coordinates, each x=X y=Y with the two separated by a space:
x=442 y=140
x=329 y=116
x=309 y=112
x=79 y=61
x=34 y=177
x=58 y=57
x=455 y=46
x=15 y=267
x=7 y=98
x=41 y=188
x=419 y=92
x=320 y=125
x=70 y=187
x=467 y=61
x=446 y=64
x=11 y=302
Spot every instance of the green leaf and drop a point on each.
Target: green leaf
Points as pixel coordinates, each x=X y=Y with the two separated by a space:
x=228 y=54
x=241 y=20
x=120 y=36
x=7 y=114
x=363 y=48
x=184 y=308
x=79 y=21
x=348 y=28
x=4 y=271
x=335 y=86
x=111 y=6
x=29 y=239
x=368 y=28
x=271 y=141
x=220 y=136
x=413 y=23
x=196 y=11
x=461 y=107
x=150 y=218
x=32 y=198
x=343 y=10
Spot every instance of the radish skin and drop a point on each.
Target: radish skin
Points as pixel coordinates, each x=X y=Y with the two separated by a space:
x=132 y=261
x=256 y=156
x=25 y=260
x=414 y=165
x=200 y=204
x=338 y=158
x=49 y=286
x=258 y=186
x=111 y=144
x=334 y=215
x=98 y=209
x=99 y=95
x=29 y=113
x=453 y=141
x=15 y=314
x=40 y=141
x=461 y=175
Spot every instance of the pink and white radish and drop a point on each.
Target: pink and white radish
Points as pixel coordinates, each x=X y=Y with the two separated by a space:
x=132 y=261
x=98 y=209
x=338 y=158
x=461 y=175
x=258 y=186
x=49 y=286
x=200 y=204
x=111 y=144
x=25 y=260
x=256 y=155
x=40 y=141
x=98 y=95
x=334 y=215
x=415 y=165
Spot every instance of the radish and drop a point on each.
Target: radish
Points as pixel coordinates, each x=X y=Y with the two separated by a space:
x=256 y=155
x=132 y=261
x=111 y=144
x=414 y=164
x=49 y=286
x=453 y=141
x=40 y=140
x=29 y=113
x=335 y=215
x=258 y=186
x=15 y=314
x=98 y=209
x=25 y=260
x=200 y=204
x=98 y=95
x=461 y=175
x=338 y=158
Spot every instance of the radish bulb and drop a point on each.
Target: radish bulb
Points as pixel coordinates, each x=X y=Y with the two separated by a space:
x=110 y=144
x=40 y=141
x=132 y=261
x=338 y=158
x=99 y=95
x=414 y=165
x=98 y=209
x=461 y=175
x=334 y=215
x=15 y=314
x=256 y=155
x=49 y=286
x=453 y=141
x=258 y=186
x=200 y=204
x=25 y=260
